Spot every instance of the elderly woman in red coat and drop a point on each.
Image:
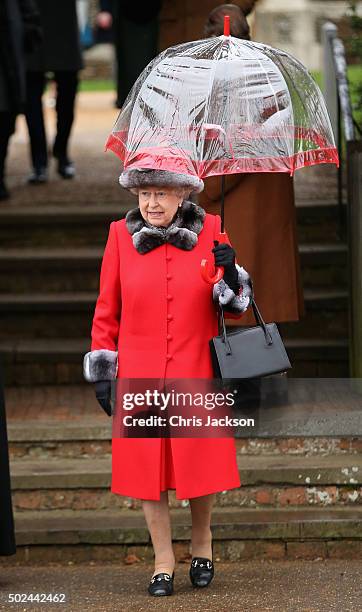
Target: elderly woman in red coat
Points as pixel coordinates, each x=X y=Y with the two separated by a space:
x=153 y=319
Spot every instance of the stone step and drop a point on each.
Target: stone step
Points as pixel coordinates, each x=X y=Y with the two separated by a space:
x=82 y=483
x=326 y=315
x=67 y=439
x=320 y=358
x=317 y=222
x=79 y=428
x=69 y=314
x=40 y=269
x=324 y=265
x=343 y=470
x=80 y=225
x=65 y=536
x=60 y=225
x=60 y=360
x=43 y=361
x=47 y=315
x=321 y=253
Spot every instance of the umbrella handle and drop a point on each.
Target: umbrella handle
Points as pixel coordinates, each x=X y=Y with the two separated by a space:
x=209 y=273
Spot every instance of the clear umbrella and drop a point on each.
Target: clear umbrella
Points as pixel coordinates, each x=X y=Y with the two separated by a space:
x=222 y=106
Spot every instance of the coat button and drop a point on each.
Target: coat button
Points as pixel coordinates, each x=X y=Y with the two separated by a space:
x=168 y=356
x=168 y=276
x=169 y=317
x=168 y=257
x=168 y=337
x=169 y=297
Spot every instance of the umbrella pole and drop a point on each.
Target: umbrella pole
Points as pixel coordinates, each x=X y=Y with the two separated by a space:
x=226 y=33
x=222 y=203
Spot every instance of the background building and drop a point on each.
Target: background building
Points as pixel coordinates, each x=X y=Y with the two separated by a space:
x=290 y=25
x=296 y=26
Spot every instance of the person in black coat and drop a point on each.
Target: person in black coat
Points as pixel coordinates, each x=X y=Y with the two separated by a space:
x=19 y=31
x=7 y=535
x=61 y=55
x=135 y=34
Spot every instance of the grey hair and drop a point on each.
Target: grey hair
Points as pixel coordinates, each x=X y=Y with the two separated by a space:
x=180 y=192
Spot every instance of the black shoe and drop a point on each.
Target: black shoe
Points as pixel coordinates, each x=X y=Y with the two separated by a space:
x=201 y=571
x=66 y=168
x=161 y=584
x=4 y=194
x=38 y=176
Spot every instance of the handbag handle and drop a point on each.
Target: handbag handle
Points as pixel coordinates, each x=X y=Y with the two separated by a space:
x=260 y=321
x=258 y=318
x=224 y=333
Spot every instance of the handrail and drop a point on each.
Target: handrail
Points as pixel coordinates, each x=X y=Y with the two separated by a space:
x=335 y=57
x=338 y=96
x=339 y=105
x=340 y=64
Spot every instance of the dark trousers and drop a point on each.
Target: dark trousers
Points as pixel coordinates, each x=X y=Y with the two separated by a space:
x=7 y=126
x=67 y=84
x=131 y=64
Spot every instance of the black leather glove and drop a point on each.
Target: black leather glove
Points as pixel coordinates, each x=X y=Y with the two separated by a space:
x=224 y=255
x=103 y=395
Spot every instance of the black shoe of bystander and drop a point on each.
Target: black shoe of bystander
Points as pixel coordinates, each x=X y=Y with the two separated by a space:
x=66 y=168
x=38 y=176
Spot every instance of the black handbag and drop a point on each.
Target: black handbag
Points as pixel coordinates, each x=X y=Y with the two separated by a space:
x=251 y=352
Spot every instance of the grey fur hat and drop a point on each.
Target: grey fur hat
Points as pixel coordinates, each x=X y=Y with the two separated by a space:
x=144 y=177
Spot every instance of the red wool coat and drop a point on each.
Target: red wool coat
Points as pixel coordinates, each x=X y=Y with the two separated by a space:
x=158 y=313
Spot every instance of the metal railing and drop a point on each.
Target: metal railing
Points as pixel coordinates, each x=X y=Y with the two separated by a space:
x=336 y=91
x=350 y=154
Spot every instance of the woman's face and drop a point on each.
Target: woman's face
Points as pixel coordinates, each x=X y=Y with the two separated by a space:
x=158 y=205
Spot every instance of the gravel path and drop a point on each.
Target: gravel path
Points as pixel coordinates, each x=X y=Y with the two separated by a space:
x=283 y=586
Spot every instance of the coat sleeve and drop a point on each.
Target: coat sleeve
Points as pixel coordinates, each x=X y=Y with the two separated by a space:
x=101 y=363
x=233 y=304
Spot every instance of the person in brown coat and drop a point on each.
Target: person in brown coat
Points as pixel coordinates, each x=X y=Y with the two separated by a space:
x=260 y=217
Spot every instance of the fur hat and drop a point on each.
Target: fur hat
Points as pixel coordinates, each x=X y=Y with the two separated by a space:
x=144 y=177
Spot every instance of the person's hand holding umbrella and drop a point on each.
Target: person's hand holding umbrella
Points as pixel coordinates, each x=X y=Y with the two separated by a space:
x=224 y=256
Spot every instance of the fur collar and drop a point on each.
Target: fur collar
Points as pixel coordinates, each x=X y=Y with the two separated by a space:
x=182 y=232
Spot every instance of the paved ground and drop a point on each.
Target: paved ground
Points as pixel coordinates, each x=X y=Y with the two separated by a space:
x=97 y=172
x=297 y=586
